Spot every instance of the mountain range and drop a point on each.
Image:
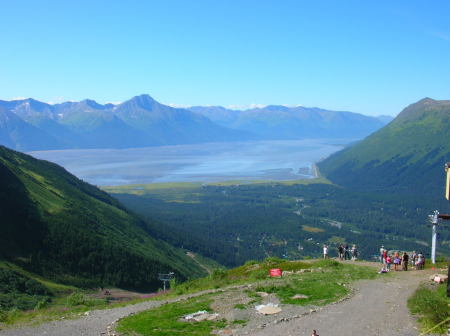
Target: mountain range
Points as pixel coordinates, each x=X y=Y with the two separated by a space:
x=407 y=155
x=29 y=124
x=283 y=123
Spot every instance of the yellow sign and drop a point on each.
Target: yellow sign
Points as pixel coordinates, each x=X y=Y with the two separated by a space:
x=447 y=184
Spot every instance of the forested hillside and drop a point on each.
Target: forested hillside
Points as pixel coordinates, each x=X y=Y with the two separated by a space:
x=406 y=156
x=236 y=223
x=58 y=226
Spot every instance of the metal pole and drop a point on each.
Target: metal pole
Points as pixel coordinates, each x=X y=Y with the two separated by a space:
x=434 y=221
x=433 y=245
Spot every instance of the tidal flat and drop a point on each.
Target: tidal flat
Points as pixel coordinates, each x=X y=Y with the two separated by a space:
x=208 y=162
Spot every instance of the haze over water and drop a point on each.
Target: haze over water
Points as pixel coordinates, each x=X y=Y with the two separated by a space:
x=256 y=160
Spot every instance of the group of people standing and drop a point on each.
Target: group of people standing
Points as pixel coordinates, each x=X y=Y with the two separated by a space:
x=347 y=253
x=344 y=252
x=400 y=260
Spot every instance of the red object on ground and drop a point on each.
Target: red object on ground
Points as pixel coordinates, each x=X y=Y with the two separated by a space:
x=275 y=272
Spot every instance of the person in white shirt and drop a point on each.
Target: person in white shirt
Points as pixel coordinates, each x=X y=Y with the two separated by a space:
x=325 y=251
x=381 y=254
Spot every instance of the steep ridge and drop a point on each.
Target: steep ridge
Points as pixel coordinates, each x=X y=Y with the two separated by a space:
x=407 y=155
x=58 y=226
x=15 y=132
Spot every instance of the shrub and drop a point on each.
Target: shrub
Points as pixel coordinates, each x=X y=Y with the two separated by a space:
x=218 y=274
x=79 y=299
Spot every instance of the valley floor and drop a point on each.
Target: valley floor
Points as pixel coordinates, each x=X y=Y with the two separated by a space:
x=377 y=307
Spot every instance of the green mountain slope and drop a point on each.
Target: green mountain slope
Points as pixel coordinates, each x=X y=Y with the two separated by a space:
x=407 y=155
x=58 y=226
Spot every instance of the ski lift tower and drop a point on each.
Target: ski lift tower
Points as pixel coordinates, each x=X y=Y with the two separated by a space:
x=436 y=216
x=434 y=219
x=165 y=278
x=447 y=217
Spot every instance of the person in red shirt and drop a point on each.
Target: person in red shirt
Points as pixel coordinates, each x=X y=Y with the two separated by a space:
x=384 y=256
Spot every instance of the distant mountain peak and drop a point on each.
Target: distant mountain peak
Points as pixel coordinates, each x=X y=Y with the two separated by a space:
x=420 y=108
x=92 y=103
x=426 y=100
x=143 y=100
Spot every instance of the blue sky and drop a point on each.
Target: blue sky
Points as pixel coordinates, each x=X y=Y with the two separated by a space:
x=371 y=57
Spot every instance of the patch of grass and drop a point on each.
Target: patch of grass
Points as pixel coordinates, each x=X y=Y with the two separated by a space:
x=321 y=288
x=431 y=305
x=312 y=229
x=240 y=306
x=79 y=299
x=165 y=320
x=319 y=291
x=241 y=322
x=251 y=271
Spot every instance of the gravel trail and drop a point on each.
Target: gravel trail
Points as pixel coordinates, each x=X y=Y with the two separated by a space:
x=95 y=323
x=378 y=308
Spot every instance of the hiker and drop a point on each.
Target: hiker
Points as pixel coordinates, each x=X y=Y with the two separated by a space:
x=388 y=263
x=414 y=259
x=314 y=333
x=381 y=254
x=384 y=256
x=346 y=252
x=341 y=252
x=396 y=261
x=405 y=259
x=325 y=251
x=354 y=252
x=420 y=261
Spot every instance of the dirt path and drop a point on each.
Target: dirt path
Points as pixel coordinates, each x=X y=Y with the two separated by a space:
x=377 y=308
x=192 y=255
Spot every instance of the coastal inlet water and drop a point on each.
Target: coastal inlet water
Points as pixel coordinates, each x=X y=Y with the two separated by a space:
x=255 y=160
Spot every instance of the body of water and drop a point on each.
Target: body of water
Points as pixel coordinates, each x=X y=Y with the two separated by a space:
x=255 y=160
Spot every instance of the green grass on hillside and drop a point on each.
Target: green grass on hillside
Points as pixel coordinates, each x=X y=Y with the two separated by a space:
x=432 y=307
x=251 y=271
x=66 y=230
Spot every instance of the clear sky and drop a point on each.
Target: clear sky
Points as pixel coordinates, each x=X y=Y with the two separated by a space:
x=371 y=57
